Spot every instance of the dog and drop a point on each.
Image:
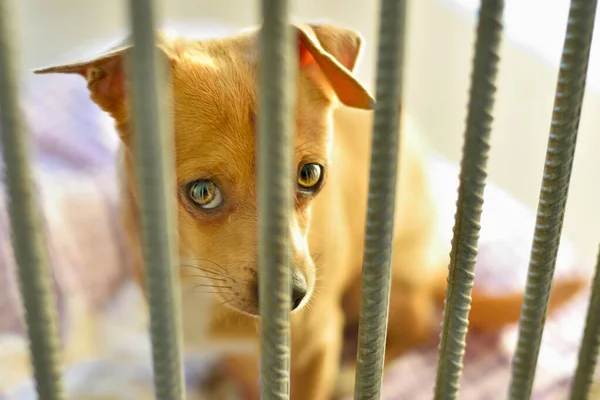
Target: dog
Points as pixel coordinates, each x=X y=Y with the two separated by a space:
x=215 y=107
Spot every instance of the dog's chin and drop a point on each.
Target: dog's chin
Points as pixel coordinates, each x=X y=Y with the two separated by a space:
x=241 y=306
x=248 y=310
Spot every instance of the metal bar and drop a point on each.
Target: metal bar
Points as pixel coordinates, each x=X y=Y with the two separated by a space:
x=463 y=254
x=155 y=174
x=30 y=252
x=553 y=194
x=590 y=344
x=379 y=231
x=275 y=176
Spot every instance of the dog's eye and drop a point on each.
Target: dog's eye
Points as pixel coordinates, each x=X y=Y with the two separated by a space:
x=205 y=194
x=310 y=175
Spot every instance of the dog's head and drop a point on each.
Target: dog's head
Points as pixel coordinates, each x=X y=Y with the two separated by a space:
x=214 y=97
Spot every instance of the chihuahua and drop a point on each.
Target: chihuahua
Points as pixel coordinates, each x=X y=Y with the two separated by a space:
x=214 y=87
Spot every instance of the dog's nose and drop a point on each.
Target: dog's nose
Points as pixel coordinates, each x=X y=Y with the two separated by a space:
x=299 y=289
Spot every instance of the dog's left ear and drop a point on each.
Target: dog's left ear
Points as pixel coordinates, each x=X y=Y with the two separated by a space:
x=332 y=52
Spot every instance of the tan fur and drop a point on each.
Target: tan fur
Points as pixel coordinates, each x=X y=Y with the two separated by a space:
x=215 y=107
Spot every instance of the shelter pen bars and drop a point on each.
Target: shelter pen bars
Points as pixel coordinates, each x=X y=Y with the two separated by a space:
x=152 y=124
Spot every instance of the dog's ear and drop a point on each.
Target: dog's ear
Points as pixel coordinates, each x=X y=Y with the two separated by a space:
x=105 y=76
x=332 y=52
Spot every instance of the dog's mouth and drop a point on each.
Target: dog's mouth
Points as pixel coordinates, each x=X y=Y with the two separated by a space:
x=249 y=303
x=241 y=292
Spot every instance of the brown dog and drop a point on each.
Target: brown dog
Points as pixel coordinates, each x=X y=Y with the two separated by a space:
x=215 y=107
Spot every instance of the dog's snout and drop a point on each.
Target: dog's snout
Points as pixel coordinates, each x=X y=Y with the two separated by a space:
x=299 y=289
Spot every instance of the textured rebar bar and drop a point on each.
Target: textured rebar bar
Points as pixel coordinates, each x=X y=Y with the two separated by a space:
x=553 y=194
x=590 y=344
x=155 y=173
x=275 y=195
x=463 y=255
x=376 y=283
x=30 y=252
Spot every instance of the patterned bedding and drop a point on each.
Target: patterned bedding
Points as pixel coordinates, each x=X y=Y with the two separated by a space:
x=102 y=319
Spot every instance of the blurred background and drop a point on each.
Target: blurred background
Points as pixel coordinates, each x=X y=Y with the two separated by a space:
x=440 y=47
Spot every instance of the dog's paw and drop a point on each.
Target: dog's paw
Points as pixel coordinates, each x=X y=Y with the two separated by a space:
x=344 y=386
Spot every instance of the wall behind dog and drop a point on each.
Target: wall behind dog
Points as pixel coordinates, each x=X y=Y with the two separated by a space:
x=440 y=46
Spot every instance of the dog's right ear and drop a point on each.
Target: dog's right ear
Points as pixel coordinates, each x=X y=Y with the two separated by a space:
x=105 y=76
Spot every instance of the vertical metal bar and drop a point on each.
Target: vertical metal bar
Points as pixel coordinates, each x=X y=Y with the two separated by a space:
x=379 y=231
x=463 y=254
x=30 y=251
x=590 y=344
x=553 y=194
x=155 y=173
x=275 y=176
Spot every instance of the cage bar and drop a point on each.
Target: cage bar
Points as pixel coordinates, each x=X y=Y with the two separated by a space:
x=590 y=344
x=377 y=269
x=30 y=251
x=463 y=255
x=275 y=176
x=553 y=194
x=155 y=173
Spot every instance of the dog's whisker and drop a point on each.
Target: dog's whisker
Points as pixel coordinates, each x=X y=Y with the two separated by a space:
x=210 y=277
x=196 y=267
x=316 y=256
x=206 y=292
x=208 y=271
x=211 y=286
x=206 y=260
x=224 y=302
x=201 y=269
